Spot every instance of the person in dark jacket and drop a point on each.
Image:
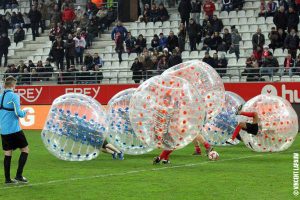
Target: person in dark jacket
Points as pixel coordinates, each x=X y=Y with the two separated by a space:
x=140 y=44
x=172 y=41
x=130 y=43
x=184 y=10
x=154 y=42
x=19 y=35
x=175 y=59
x=196 y=10
x=88 y=61
x=216 y=24
x=281 y=38
x=162 y=13
x=4 y=44
x=273 y=36
x=58 y=52
x=137 y=69
x=292 y=43
x=206 y=43
x=153 y=17
x=222 y=65
x=70 y=51
x=216 y=41
x=35 y=17
x=280 y=19
x=119 y=29
x=181 y=37
x=292 y=20
x=252 y=70
x=258 y=39
x=208 y=59
x=4 y=25
x=194 y=31
x=227 y=39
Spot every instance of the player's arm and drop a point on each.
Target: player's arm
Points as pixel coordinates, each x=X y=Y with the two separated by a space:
x=17 y=106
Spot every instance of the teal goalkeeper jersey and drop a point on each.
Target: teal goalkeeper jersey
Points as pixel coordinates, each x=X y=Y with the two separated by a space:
x=10 y=112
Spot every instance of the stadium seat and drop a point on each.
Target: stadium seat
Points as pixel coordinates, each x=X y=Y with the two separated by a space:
x=226 y=21
x=150 y=25
x=244 y=79
x=246 y=36
x=232 y=14
x=113 y=81
x=158 y=24
x=242 y=21
x=249 y=13
x=296 y=78
x=166 y=24
x=256 y=4
x=269 y=20
x=234 y=21
x=174 y=24
x=252 y=20
x=275 y=78
x=253 y=27
x=224 y=14
x=261 y=20
x=264 y=28
x=235 y=79
x=185 y=54
x=194 y=55
x=247 y=44
x=286 y=78
x=141 y=25
x=241 y=14
x=248 y=5
x=244 y=28
x=226 y=79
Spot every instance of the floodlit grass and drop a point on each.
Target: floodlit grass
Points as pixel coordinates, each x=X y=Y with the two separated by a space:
x=239 y=174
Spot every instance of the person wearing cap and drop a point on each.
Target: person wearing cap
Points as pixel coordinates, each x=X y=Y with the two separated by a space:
x=12 y=135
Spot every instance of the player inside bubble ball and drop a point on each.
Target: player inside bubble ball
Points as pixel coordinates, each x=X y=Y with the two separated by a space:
x=162 y=123
x=250 y=128
x=109 y=148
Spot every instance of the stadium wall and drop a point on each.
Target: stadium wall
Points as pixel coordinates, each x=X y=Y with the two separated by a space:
x=38 y=99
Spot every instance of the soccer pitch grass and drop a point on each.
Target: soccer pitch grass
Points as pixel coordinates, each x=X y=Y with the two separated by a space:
x=239 y=174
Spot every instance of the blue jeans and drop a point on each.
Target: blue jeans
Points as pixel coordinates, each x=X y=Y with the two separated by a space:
x=266 y=71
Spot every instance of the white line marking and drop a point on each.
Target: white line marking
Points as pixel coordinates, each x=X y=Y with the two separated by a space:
x=125 y=173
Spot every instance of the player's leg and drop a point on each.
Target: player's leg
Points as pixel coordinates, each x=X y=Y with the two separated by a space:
x=114 y=149
x=241 y=125
x=197 y=147
x=207 y=146
x=22 y=161
x=163 y=156
x=166 y=159
x=7 y=164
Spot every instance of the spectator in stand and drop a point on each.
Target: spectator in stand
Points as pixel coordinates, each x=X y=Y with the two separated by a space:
x=209 y=8
x=137 y=70
x=184 y=10
x=4 y=25
x=181 y=37
x=263 y=9
x=20 y=20
x=271 y=8
x=162 y=13
x=130 y=43
x=292 y=43
x=222 y=65
x=119 y=45
x=227 y=5
x=172 y=41
x=175 y=58
x=297 y=66
x=146 y=13
x=207 y=43
x=92 y=32
x=166 y=53
x=68 y=16
x=80 y=45
x=88 y=61
x=97 y=60
x=162 y=65
x=21 y=65
x=208 y=59
x=288 y=66
x=35 y=17
x=19 y=34
x=31 y=65
x=85 y=76
x=153 y=17
x=84 y=21
x=216 y=41
x=162 y=41
x=257 y=55
x=13 y=20
x=79 y=14
x=140 y=44
x=24 y=78
x=273 y=36
x=92 y=7
x=67 y=3
x=196 y=10
x=48 y=68
x=207 y=28
x=284 y=3
x=238 y=4
x=280 y=19
x=281 y=38
x=98 y=74
x=4 y=45
x=258 y=39
x=11 y=4
x=252 y=70
x=269 y=63
x=55 y=15
x=154 y=43
x=292 y=20
x=58 y=53
x=227 y=39
x=216 y=59
x=44 y=11
x=194 y=31
x=119 y=28
x=235 y=43
x=217 y=24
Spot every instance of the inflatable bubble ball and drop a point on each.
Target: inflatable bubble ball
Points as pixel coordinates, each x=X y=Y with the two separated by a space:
x=120 y=132
x=219 y=129
x=75 y=128
x=166 y=111
x=206 y=80
x=277 y=122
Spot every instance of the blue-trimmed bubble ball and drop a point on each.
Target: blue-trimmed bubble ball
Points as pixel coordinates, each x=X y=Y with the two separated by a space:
x=120 y=132
x=219 y=128
x=75 y=128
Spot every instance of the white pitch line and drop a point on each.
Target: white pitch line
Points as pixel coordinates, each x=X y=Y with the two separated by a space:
x=124 y=173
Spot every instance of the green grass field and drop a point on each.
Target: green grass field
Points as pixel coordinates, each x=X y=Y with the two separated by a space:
x=239 y=174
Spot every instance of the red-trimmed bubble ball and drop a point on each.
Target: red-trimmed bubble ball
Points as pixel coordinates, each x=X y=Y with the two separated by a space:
x=172 y=114
x=206 y=80
x=120 y=132
x=277 y=122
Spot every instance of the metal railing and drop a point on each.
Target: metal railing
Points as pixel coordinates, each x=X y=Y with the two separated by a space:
x=115 y=76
